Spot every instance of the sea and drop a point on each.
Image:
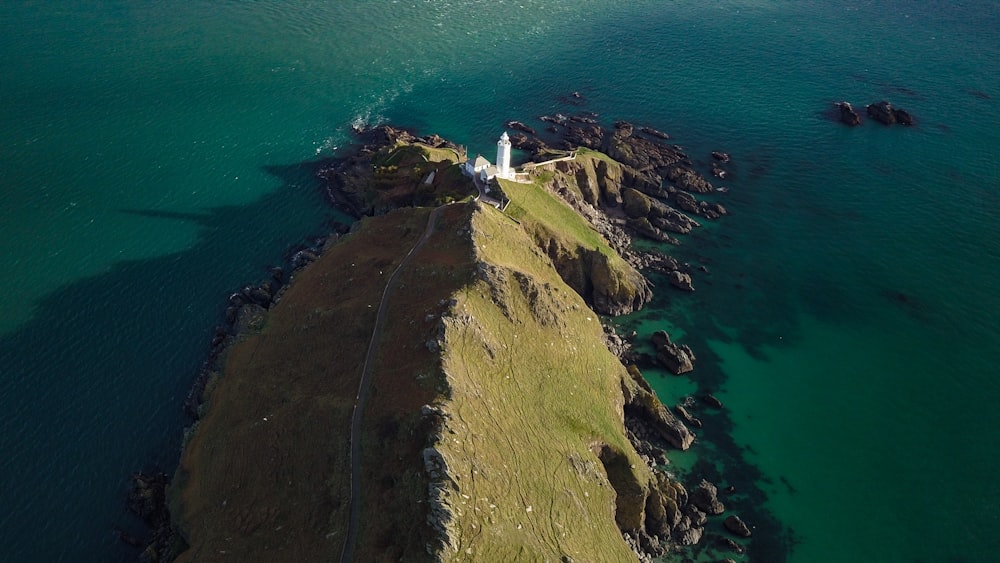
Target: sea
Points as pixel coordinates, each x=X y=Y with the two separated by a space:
x=156 y=156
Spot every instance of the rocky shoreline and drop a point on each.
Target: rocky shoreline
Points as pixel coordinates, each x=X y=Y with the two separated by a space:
x=620 y=201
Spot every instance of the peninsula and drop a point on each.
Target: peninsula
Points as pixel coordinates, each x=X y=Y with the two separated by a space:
x=437 y=383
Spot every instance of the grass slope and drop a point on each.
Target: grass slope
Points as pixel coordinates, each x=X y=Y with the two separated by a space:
x=264 y=476
x=534 y=394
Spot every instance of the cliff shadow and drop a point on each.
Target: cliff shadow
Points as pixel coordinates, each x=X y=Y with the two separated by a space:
x=93 y=384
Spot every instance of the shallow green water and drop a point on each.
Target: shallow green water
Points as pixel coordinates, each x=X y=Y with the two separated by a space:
x=149 y=164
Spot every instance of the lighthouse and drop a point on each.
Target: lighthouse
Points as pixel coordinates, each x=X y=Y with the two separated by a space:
x=503 y=157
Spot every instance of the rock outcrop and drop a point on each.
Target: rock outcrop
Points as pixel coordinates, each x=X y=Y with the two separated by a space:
x=885 y=113
x=641 y=402
x=680 y=280
x=737 y=526
x=706 y=498
x=678 y=359
x=847 y=114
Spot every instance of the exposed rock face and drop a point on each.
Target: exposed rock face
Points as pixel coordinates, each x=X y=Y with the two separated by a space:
x=687 y=202
x=616 y=291
x=636 y=204
x=706 y=498
x=649 y=216
x=685 y=178
x=640 y=401
x=643 y=227
x=525 y=143
x=590 y=136
x=690 y=536
x=609 y=289
x=147 y=500
x=678 y=359
x=349 y=184
x=885 y=113
x=847 y=114
x=520 y=127
x=687 y=417
x=439 y=513
x=680 y=280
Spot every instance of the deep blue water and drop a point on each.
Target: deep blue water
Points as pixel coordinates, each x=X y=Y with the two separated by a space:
x=151 y=160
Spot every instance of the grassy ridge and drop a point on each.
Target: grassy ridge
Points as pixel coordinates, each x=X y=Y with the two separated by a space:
x=545 y=215
x=580 y=254
x=534 y=393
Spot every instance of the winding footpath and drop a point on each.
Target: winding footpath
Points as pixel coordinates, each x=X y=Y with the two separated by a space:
x=347 y=554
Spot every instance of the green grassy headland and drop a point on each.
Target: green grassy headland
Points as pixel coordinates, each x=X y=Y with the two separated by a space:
x=490 y=328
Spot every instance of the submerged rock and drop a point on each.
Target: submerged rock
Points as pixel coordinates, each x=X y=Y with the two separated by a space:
x=737 y=526
x=712 y=401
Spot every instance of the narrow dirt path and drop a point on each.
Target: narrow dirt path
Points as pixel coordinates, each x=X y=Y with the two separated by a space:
x=347 y=554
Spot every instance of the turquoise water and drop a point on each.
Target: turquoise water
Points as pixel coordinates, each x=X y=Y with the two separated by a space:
x=151 y=161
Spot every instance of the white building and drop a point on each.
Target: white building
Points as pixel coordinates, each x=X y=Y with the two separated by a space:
x=487 y=171
x=503 y=158
x=477 y=166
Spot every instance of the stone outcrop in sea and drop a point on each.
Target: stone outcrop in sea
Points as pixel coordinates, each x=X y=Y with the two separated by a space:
x=885 y=113
x=847 y=114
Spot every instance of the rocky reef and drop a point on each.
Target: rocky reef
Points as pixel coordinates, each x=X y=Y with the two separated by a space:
x=882 y=111
x=885 y=113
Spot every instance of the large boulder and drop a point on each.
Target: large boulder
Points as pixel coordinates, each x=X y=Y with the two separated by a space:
x=687 y=202
x=690 y=536
x=677 y=359
x=680 y=280
x=685 y=178
x=706 y=498
x=636 y=204
x=847 y=114
x=884 y=112
x=609 y=178
x=643 y=227
x=674 y=221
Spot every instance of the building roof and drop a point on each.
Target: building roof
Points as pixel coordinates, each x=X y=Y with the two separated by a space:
x=481 y=162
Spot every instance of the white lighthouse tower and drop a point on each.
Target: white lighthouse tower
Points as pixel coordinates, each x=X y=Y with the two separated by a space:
x=503 y=157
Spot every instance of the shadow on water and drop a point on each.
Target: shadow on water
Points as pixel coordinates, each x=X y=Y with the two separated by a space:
x=766 y=319
x=93 y=385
